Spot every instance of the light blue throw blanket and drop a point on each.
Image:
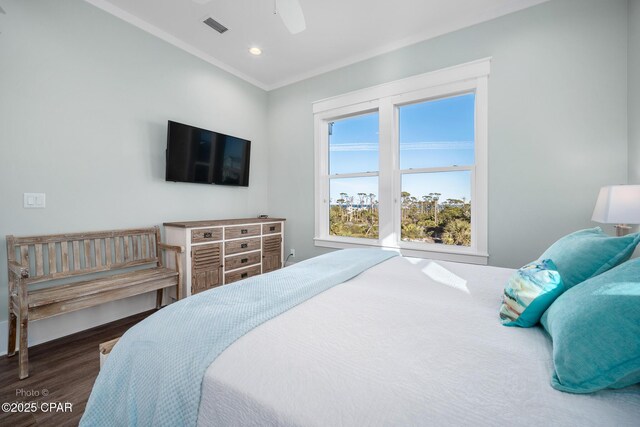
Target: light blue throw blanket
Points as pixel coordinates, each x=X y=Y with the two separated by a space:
x=153 y=376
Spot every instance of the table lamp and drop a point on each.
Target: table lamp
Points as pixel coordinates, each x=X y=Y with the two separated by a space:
x=620 y=205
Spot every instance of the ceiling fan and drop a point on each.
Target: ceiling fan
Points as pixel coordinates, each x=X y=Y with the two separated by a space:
x=290 y=12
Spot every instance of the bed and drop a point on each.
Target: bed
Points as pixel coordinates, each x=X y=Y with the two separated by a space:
x=406 y=342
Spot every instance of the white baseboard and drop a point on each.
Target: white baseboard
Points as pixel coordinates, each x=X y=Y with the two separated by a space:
x=44 y=330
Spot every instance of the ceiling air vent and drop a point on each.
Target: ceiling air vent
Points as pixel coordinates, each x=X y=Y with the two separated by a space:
x=215 y=25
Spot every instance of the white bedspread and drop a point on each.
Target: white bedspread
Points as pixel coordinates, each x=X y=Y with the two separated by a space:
x=407 y=343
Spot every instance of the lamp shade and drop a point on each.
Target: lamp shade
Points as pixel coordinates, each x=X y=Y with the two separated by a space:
x=618 y=204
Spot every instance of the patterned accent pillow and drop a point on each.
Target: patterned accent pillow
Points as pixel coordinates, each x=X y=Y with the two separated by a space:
x=529 y=292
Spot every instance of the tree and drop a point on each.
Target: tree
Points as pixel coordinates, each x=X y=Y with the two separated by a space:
x=411 y=231
x=361 y=198
x=423 y=219
x=372 y=201
x=404 y=199
x=343 y=196
x=435 y=197
x=340 y=203
x=457 y=232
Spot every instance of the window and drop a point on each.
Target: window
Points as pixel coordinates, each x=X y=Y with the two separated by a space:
x=353 y=176
x=404 y=165
x=436 y=160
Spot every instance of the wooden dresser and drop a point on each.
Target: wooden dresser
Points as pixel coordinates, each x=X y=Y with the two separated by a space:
x=225 y=251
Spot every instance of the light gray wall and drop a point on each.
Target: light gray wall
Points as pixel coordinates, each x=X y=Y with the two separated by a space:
x=84 y=104
x=557 y=121
x=634 y=91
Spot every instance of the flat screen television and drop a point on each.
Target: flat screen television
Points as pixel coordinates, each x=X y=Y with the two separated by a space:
x=206 y=157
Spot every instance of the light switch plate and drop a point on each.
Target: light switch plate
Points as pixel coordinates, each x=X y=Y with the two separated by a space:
x=34 y=200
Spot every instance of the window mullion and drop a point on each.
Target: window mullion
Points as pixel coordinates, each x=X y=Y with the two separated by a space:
x=388 y=164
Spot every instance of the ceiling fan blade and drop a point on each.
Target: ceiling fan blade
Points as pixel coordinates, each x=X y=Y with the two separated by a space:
x=291 y=13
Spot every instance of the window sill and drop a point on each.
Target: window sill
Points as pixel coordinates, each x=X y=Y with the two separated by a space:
x=455 y=254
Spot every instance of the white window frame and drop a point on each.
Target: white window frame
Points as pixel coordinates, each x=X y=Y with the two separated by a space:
x=386 y=99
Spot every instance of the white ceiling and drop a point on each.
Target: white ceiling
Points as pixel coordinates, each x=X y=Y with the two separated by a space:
x=339 y=32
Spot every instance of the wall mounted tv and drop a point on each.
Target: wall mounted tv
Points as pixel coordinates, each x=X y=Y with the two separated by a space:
x=206 y=157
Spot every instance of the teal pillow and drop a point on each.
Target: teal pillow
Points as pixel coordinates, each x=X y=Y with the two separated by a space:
x=587 y=253
x=595 y=327
x=529 y=292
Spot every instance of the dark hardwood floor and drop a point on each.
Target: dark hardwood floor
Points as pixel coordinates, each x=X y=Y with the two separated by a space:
x=62 y=370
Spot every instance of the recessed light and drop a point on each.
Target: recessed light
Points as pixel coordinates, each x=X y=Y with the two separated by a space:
x=255 y=51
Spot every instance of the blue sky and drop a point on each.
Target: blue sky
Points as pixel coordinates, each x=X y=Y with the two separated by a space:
x=432 y=134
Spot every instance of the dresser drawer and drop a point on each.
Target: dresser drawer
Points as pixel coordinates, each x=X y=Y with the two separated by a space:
x=271 y=228
x=234 y=276
x=206 y=235
x=241 y=231
x=244 y=245
x=238 y=261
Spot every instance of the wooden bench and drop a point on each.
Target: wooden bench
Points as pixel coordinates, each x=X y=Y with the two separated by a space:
x=109 y=264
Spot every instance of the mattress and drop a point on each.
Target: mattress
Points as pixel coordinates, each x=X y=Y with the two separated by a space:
x=407 y=342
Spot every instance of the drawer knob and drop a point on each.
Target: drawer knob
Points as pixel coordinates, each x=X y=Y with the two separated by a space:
x=272 y=228
x=244 y=231
x=207 y=235
x=244 y=260
x=244 y=245
x=243 y=275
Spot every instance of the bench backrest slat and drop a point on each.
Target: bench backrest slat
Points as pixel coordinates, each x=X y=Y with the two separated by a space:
x=67 y=255
x=108 y=254
x=39 y=260
x=97 y=244
x=127 y=250
x=76 y=254
x=52 y=257
x=64 y=248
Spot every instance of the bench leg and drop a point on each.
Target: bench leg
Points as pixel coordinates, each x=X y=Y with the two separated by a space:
x=12 y=323
x=24 y=344
x=159 y=298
